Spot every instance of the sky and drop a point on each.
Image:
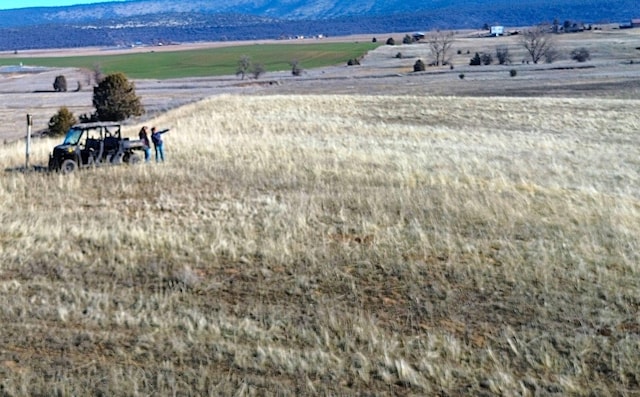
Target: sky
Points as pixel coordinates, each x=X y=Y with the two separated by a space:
x=9 y=4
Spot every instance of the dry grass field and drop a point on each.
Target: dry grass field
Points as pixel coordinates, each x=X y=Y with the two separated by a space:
x=367 y=243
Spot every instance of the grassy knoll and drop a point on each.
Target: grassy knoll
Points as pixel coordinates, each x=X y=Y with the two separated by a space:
x=334 y=245
x=207 y=62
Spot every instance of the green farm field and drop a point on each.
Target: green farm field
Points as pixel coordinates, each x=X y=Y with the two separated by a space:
x=152 y=64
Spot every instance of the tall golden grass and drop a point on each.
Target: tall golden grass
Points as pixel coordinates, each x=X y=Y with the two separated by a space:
x=334 y=245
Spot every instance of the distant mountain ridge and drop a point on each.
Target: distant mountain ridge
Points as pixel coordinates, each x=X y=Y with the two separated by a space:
x=120 y=23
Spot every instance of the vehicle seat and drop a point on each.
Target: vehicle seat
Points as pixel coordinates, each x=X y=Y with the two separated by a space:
x=110 y=144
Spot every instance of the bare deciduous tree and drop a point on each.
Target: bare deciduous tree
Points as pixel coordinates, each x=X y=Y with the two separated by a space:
x=98 y=74
x=552 y=55
x=257 y=70
x=502 y=53
x=243 y=66
x=440 y=44
x=296 y=70
x=538 y=42
x=87 y=75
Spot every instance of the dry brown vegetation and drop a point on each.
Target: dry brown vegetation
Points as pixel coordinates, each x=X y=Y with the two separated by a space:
x=334 y=245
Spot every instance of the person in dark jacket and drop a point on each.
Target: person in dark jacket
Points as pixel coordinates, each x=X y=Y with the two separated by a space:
x=144 y=137
x=158 y=144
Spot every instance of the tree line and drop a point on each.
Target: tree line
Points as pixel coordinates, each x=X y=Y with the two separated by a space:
x=537 y=41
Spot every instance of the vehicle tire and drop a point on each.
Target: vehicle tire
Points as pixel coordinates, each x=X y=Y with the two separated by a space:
x=133 y=159
x=68 y=166
x=52 y=164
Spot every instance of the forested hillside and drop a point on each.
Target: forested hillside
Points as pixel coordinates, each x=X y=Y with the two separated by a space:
x=156 y=21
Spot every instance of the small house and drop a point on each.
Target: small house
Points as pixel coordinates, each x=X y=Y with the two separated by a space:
x=497 y=30
x=635 y=23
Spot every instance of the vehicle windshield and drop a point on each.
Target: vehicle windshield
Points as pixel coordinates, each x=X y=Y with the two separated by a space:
x=72 y=137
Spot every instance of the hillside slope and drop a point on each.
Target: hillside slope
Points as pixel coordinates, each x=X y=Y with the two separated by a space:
x=525 y=11
x=334 y=245
x=148 y=21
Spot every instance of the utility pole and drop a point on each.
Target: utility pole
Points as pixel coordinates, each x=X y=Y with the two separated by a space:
x=29 y=125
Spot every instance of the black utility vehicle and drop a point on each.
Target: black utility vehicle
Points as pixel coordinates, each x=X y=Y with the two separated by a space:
x=94 y=144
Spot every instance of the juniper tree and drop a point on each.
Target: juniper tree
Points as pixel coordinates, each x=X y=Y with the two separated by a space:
x=115 y=99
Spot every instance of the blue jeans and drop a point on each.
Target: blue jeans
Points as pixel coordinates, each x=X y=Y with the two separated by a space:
x=159 y=152
x=147 y=154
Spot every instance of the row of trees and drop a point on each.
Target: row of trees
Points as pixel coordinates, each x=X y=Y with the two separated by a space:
x=538 y=43
x=440 y=42
x=504 y=57
x=246 y=67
